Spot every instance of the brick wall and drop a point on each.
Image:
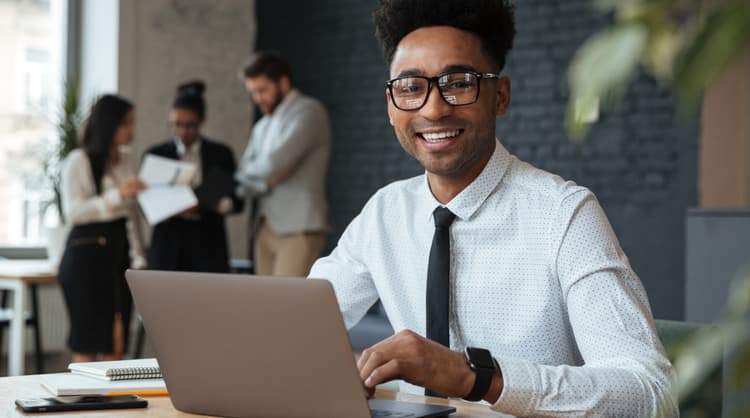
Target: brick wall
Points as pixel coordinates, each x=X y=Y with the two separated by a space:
x=640 y=159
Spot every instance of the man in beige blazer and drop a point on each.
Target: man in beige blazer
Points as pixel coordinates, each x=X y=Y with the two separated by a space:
x=284 y=167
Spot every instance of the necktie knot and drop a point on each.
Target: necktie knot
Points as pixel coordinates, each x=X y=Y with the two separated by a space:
x=443 y=217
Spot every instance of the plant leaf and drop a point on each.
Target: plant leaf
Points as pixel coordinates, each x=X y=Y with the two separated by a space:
x=722 y=36
x=601 y=69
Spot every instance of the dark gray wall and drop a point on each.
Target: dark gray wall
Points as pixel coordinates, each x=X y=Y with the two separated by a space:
x=639 y=159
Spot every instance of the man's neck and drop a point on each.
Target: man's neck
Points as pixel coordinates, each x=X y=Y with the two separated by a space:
x=445 y=187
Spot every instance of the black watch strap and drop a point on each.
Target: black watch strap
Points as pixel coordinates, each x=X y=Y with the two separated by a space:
x=483 y=379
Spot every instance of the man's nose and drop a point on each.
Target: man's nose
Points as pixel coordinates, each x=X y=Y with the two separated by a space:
x=435 y=107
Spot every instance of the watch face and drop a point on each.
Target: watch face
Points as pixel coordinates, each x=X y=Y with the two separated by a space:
x=479 y=357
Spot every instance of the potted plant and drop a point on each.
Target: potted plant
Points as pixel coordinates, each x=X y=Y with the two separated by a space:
x=67 y=121
x=688 y=45
x=685 y=44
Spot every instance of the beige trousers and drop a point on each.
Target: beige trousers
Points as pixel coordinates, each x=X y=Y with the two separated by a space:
x=286 y=255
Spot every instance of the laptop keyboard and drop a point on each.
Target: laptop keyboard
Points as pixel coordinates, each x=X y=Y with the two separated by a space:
x=383 y=413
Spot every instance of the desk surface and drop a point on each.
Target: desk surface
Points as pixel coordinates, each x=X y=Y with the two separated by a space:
x=29 y=271
x=12 y=388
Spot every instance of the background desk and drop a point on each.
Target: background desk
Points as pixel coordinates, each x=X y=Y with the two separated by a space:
x=16 y=275
x=12 y=388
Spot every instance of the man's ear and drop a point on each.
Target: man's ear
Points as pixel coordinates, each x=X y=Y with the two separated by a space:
x=389 y=105
x=502 y=96
x=285 y=84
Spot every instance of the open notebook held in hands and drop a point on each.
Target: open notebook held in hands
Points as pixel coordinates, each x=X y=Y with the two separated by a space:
x=233 y=345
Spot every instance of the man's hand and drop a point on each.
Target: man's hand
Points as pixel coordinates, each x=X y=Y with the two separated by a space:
x=281 y=176
x=417 y=360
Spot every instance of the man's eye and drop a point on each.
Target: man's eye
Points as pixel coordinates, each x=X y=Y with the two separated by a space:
x=410 y=89
x=459 y=85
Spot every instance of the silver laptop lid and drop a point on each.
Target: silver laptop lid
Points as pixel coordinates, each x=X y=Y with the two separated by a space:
x=238 y=345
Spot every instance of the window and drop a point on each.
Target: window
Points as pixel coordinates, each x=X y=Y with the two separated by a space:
x=33 y=48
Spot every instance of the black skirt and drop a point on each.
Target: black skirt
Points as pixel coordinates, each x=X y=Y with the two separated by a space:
x=92 y=277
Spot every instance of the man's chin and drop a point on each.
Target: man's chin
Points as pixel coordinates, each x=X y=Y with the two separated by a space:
x=440 y=168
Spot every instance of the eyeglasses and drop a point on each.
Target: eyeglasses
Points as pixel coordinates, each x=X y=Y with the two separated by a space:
x=185 y=125
x=456 y=88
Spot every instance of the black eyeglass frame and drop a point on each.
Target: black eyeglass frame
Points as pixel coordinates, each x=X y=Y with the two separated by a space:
x=436 y=79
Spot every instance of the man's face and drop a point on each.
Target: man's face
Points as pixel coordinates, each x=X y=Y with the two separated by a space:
x=452 y=142
x=186 y=124
x=264 y=92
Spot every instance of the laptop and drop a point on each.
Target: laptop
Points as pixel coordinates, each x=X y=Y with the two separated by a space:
x=251 y=346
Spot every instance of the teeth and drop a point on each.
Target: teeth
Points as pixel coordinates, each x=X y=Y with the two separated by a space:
x=438 y=136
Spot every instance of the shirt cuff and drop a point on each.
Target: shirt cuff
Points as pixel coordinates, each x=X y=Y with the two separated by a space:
x=110 y=200
x=113 y=197
x=225 y=205
x=259 y=186
x=138 y=262
x=520 y=387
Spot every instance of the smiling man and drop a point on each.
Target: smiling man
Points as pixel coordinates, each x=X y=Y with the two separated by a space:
x=504 y=283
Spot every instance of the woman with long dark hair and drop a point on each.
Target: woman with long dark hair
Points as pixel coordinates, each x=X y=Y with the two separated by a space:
x=98 y=190
x=196 y=240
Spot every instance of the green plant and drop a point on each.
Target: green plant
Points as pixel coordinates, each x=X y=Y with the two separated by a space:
x=698 y=358
x=685 y=43
x=68 y=120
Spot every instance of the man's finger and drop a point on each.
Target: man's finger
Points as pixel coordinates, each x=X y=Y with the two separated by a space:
x=392 y=369
x=362 y=360
x=374 y=360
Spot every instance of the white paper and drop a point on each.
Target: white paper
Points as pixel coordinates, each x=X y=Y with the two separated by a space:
x=161 y=202
x=160 y=171
x=168 y=189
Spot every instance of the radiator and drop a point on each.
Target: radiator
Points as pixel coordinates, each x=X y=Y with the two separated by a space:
x=53 y=319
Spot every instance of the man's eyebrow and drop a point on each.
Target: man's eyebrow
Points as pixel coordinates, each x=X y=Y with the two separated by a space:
x=452 y=68
x=447 y=69
x=409 y=72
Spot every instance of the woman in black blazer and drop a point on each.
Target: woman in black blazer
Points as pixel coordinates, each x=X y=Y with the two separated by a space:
x=196 y=239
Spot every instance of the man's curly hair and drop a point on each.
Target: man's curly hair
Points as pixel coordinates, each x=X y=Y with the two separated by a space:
x=491 y=20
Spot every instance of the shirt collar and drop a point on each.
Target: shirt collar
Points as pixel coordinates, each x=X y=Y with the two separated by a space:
x=470 y=199
x=289 y=98
x=195 y=149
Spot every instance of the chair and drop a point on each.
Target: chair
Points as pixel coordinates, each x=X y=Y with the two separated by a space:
x=707 y=399
x=31 y=319
x=374 y=327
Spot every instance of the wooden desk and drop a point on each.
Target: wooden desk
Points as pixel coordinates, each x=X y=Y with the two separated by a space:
x=12 y=388
x=16 y=275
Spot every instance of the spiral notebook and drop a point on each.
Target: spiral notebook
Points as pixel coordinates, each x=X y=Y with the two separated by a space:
x=146 y=368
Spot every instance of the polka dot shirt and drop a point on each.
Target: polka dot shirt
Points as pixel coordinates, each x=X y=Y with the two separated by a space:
x=537 y=277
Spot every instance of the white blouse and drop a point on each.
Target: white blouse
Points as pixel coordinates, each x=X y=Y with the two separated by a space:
x=81 y=204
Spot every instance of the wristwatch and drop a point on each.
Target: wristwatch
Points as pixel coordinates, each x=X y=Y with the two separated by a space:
x=482 y=363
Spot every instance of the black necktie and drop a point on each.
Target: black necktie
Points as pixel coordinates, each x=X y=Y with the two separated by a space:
x=438 y=281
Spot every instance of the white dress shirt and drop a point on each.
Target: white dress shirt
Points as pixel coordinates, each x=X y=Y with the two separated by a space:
x=82 y=205
x=537 y=277
x=192 y=154
x=256 y=166
x=294 y=140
